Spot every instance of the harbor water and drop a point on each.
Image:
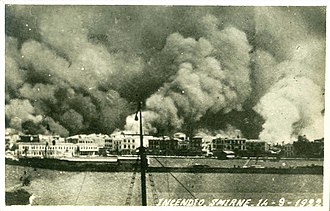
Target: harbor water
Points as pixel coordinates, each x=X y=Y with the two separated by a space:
x=123 y=189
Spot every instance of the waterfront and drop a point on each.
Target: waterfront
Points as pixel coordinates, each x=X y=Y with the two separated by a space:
x=184 y=162
x=112 y=188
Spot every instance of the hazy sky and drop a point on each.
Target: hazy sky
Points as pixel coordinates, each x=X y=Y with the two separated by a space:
x=81 y=69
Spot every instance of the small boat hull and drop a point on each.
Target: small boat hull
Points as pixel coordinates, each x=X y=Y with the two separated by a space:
x=78 y=164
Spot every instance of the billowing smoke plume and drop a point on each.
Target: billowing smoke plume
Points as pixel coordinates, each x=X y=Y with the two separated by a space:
x=228 y=132
x=20 y=111
x=289 y=109
x=212 y=75
x=81 y=69
x=290 y=83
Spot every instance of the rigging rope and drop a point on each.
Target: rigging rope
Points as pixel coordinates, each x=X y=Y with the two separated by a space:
x=177 y=180
x=130 y=190
x=131 y=186
x=81 y=188
x=153 y=189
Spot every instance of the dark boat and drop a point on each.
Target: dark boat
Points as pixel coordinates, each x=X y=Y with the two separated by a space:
x=106 y=164
x=17 y=197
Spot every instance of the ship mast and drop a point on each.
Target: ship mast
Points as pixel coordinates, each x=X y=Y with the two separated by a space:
x=142 y=158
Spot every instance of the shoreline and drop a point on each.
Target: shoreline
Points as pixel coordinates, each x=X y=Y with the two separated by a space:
x=134 y=166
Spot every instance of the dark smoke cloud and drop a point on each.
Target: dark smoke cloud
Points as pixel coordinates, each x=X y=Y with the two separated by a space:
x=212 y=74
x=81 y=69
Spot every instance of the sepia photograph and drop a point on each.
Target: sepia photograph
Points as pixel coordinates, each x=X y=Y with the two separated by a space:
x=164 y=105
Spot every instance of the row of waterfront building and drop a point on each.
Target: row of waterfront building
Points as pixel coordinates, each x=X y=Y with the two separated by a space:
x=125 y=143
